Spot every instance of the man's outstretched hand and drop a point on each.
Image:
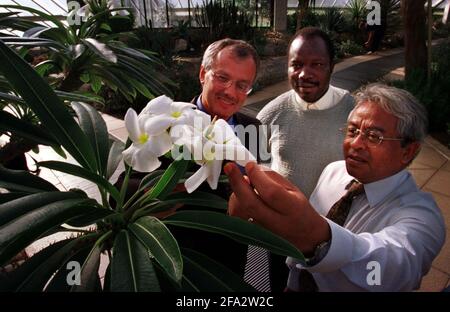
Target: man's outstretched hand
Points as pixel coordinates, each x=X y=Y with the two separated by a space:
x=276 y=204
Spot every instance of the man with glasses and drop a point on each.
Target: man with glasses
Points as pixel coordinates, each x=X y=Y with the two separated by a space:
x=367 y=226
x=227 y=73
x=307 y=117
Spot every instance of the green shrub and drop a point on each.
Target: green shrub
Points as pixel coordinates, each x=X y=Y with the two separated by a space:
x=348 y=48
x=434 y=94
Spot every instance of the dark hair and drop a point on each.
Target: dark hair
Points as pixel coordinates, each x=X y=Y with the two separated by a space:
x=312 y=32
x=240 y=49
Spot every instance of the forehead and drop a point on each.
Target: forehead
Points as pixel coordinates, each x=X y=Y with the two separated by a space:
x=369 y=114
x=312 y=47
x=228 y=63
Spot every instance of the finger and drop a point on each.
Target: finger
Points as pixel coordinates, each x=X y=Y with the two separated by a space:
x=257 y=171
x=238 y=183
x=274 y=190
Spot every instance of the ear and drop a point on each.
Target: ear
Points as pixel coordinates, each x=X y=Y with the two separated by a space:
x=410 y=151
x=201 y=74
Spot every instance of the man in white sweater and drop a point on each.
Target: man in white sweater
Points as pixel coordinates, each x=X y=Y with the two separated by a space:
x=384 y=232
x=305 y=120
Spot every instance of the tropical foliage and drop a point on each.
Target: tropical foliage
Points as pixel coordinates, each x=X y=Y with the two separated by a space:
x=142 y=253
x=88 y=49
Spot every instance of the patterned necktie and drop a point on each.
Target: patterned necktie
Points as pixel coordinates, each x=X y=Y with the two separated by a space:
x=338 y=214
x=257 y=269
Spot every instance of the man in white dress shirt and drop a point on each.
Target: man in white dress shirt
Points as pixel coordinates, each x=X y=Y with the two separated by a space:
x=393 y=230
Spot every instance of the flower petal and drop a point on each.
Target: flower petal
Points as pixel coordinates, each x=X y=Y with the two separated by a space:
x=140 y=159
x=160 y=144
x=223 y=132
x=157 y=124
x=158 y=106
x=234 y=152
x=215 y=168
x=132 y=125
x=181 y=106
x=196 y=179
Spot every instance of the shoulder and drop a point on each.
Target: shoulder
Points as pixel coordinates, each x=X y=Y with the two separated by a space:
x=274 y=107
x=245 y=120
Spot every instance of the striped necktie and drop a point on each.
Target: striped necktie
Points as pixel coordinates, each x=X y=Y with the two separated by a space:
x=257 y=268
x=338 y=214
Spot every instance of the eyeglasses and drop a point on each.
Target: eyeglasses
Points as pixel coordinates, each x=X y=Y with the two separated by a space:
x=224 y=81
x=374 y=137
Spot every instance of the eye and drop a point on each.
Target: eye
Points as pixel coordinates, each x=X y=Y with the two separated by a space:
x=318 y=64
x=222 y=78
x=242 y=86
x=352 y=132
x=373 y=136
x=296 y=65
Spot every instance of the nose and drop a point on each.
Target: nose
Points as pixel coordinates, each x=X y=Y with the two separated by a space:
x=359 y=141
x=304 y=73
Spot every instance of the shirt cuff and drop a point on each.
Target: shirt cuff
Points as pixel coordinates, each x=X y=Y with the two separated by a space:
x=339 y=254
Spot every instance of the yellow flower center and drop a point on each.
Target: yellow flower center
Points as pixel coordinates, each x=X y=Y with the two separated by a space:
x=143 y=138
x=175 y=114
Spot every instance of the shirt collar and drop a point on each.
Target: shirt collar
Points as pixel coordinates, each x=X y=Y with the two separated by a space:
x=378 y=190
x=200 y=106
x=326 y=101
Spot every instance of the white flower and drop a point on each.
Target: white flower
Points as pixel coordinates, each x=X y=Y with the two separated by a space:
x=164 y=113
x=216 y=143
x=143 y=154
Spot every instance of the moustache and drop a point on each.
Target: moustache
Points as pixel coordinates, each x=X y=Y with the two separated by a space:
x=307 y=84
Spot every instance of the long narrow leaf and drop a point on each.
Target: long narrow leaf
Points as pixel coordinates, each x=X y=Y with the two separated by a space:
x=23 y=181
x=82 y=173
x=235 y=228
x=131 y=267
x=89 y=272
x=209 y=275
x=17 y=234
x=18 y=207
x=12 y=280
x=169 y=179
x=9 y=122
x=46 y=105
x=161 y=244
x=93 y=125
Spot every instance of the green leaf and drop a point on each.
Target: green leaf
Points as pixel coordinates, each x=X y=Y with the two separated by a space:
x=208 y=275
x=96 y=83
x=169 y=179
x=234 y=228
x=56 y=263
x=91 y=216
x=27 y=130
x=198 y=198
x=23 y=181
x=65 y=269
x=106 y=27
x=6 y=197
x=89 y=271
x=131 y=266
x=82 y=173
x=79 y=96
x=12 y=280
x=161 y=245
x=18 y=207
x=22 y=231
x=46 y=105
x=114 y=158
x=93 y=125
